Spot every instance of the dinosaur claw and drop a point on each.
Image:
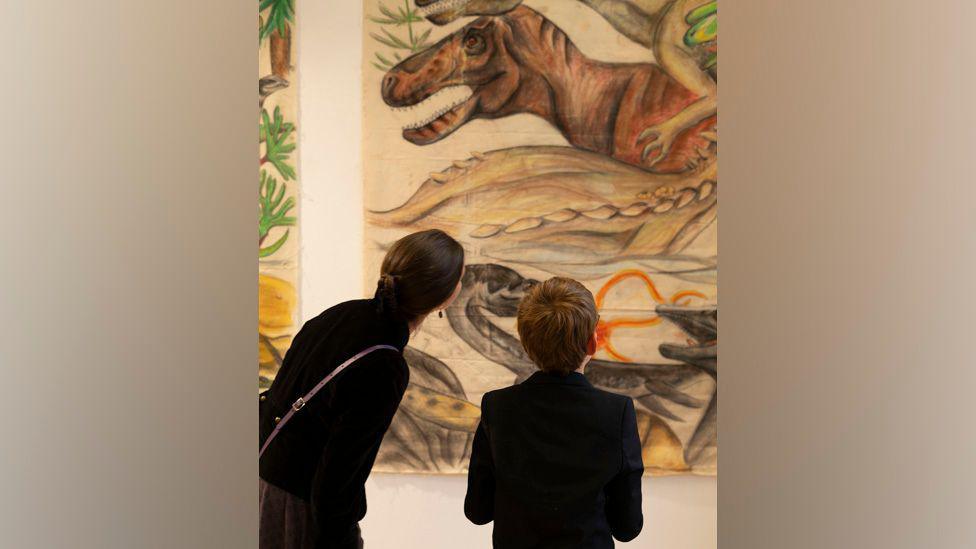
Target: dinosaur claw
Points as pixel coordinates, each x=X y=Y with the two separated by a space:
x=647 y=150
x=650 y=147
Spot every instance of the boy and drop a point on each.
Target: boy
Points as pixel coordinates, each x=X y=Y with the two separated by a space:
x=556 y=463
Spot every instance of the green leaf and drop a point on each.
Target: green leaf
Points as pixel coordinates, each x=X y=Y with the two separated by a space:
x=710 y=61
x=703 y=31
x=386 y=11
x=701 y=12
x=280 y=14
x=396 y=40
x=275 y=133
x=273 y=211
x=382 y=21
x=421 y=41
x=265 y=252
x=382 y=40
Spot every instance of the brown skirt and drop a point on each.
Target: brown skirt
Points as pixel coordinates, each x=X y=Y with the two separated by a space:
x=286 y=520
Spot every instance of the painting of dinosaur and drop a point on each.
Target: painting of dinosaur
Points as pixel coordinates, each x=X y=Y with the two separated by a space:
x=681 y=33
x=424 y=440
x=520 y=62
x=549 y=142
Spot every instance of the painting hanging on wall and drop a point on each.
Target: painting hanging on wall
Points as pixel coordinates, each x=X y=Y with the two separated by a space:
x=277 y=186
x=551 y=137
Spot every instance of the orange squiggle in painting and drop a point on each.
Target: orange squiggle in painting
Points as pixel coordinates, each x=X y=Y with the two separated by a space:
x=605 y=328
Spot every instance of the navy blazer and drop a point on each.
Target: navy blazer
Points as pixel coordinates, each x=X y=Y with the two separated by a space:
x=556 y=463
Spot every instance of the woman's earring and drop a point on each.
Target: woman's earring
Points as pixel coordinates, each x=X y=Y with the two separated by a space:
x=440 y=313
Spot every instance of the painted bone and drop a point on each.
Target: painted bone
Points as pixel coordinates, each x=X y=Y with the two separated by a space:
x=560 y=205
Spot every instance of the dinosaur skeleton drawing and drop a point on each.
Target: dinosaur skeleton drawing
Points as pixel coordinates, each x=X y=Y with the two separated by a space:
x=634 y=195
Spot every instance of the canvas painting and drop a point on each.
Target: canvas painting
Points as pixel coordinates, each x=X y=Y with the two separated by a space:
x=277 y=186
x=551 y=137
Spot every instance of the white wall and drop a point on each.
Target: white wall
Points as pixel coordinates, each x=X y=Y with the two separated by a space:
x=410 y=511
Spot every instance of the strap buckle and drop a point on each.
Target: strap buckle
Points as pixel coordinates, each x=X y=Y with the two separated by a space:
x=299 y=404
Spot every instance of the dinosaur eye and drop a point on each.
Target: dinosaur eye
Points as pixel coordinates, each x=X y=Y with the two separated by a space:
x=474 y=44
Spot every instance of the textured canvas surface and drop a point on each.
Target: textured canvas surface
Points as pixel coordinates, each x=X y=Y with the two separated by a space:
x=551 y=137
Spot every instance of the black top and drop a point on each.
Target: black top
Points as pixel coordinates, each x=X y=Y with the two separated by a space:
x=556 y=463
x=325 y=452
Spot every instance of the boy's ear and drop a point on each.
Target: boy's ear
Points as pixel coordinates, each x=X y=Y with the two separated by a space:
x=591 y=344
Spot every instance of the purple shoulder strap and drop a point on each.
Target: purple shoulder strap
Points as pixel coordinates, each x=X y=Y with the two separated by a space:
x=300 y=403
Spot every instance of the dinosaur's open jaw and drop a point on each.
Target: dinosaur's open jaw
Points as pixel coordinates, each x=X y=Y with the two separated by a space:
x=438 y=115
x=700 y=325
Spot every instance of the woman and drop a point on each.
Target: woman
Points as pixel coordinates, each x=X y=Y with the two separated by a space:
x=314 y=468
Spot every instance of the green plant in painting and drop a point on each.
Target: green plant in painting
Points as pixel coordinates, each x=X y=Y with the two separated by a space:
x=273 y=212
x=404 y=18
x=703 y=31
x=280 y=14
x=275 y=133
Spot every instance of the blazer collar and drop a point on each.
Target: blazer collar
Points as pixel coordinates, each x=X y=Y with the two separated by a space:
x=574 y=378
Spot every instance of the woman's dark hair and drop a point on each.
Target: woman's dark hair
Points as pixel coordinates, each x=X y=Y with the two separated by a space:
x=420 y=271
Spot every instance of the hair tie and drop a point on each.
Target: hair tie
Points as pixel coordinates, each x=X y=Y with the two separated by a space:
x=386 y=291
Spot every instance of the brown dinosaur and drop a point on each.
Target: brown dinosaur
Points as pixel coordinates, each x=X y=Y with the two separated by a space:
x=520 y=62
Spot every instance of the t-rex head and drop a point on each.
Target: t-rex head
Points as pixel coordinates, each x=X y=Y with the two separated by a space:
x=479 y=58
x=442 y=12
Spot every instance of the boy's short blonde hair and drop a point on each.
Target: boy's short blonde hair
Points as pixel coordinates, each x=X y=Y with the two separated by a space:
x=555 y=321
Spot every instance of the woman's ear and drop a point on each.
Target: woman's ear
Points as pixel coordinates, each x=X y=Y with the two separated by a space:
x=591 y=344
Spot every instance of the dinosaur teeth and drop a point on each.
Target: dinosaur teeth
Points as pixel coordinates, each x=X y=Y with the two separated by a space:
x=461 y=164
x=478 y=155
x=439 y=177
x=705 y=190
x=686 y=197
x=561 y=216
x=663 y=206
x=485 y=231
x=430 y=109
x=523 y=224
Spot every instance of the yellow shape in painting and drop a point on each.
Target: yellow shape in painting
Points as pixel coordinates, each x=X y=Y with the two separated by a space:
x=448 y=412
x=276 y=306
x=661 y=449
x=276 y=309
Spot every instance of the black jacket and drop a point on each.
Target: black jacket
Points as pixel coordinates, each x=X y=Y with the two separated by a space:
x=326 y=451
x=556 y=464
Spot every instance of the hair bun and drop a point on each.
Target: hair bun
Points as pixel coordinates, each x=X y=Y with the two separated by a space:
x=387 y=294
